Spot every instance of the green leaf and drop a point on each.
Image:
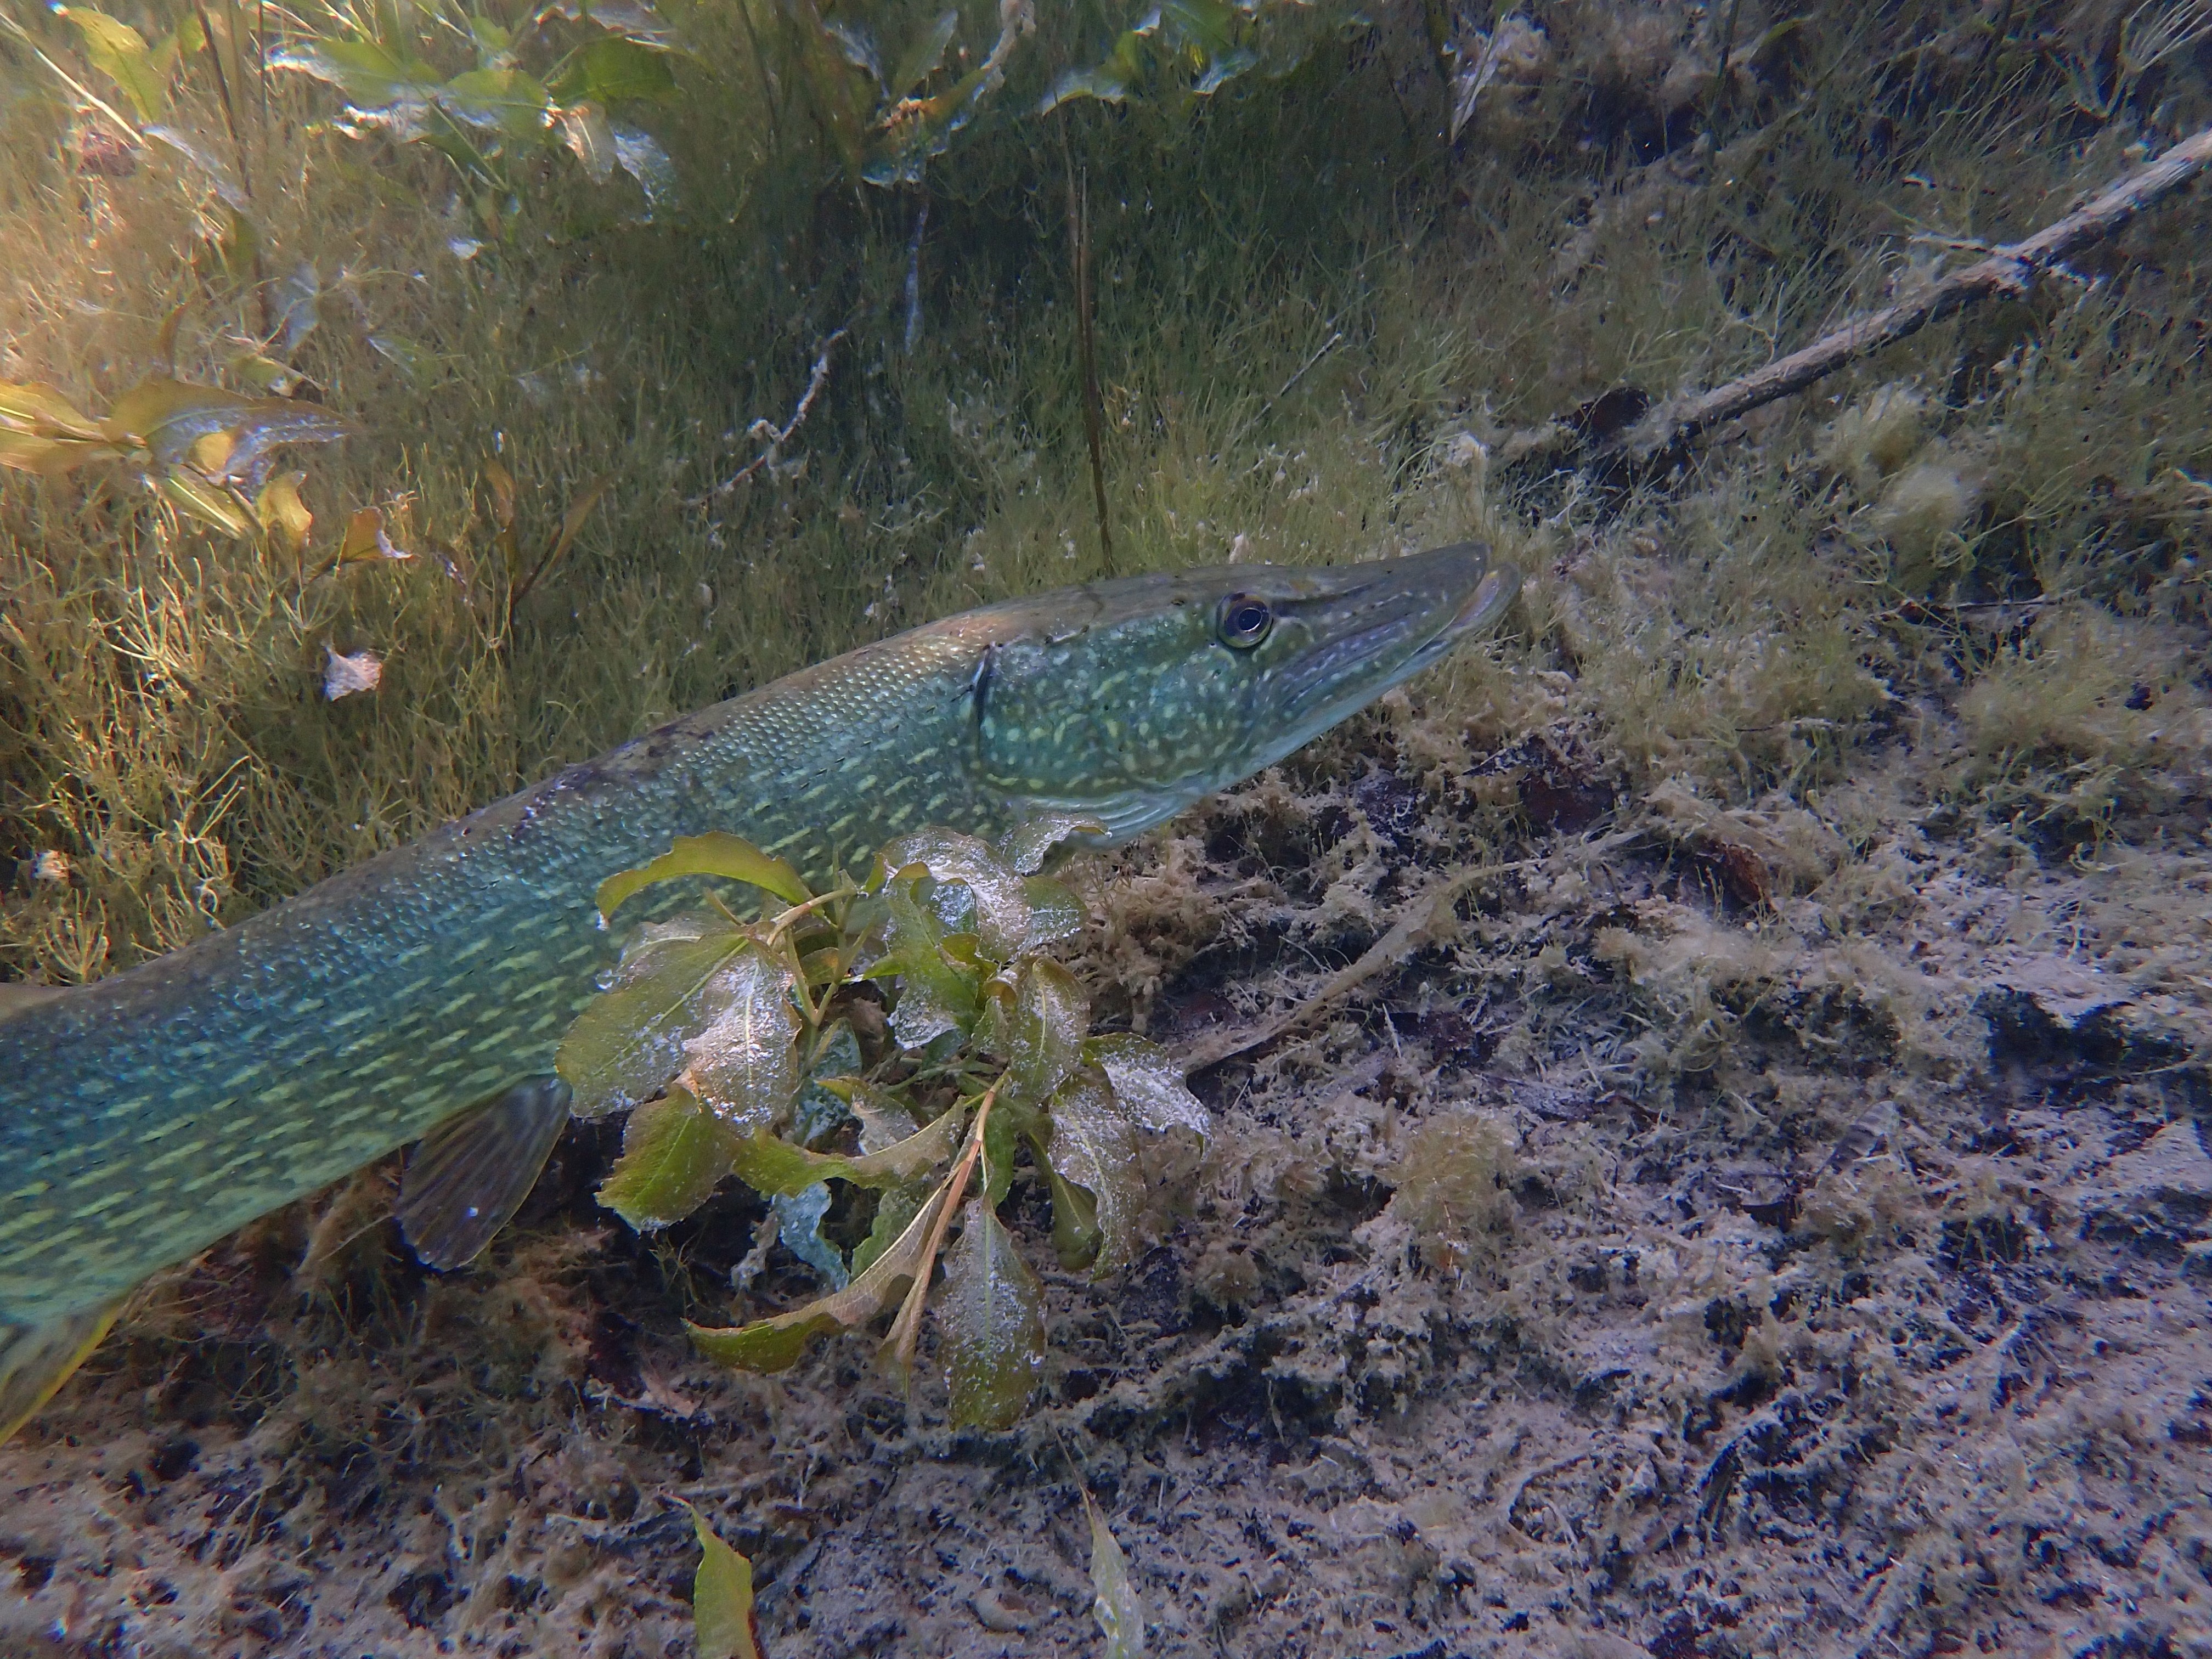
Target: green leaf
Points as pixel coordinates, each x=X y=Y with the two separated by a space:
x=505 y=101
x=674 y=1154
x=1001 y=1132
x=773 y=1166
x=1094 y=1145
x=726 y=856
x=1002 y=907
x=1121 y=1613
x=920 y=59
x=1054 y=912
x=1075 y=1235
x=773 y=1345
x=895 y=1211
x=629 y=1042
x=722 y=1598
x=613 y=69
x=935 y=996
x=1147 y=1083
x=368 y=76
x=118 y=52
x=991 y=1315
x=1051 y=1015
x=744 y=1061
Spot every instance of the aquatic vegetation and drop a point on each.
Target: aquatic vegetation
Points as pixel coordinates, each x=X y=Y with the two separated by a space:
x=982 y=1057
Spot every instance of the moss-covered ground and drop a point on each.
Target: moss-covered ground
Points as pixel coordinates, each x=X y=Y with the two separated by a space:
x=1761 y=1204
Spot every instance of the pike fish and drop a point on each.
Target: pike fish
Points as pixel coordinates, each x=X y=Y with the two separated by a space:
x=419 y=996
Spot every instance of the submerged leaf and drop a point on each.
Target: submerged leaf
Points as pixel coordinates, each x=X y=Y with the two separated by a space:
x=635 y=18
x=119 y=53
x=936 y=995
x=729 y=857
x=1121 y=1613
x=1148 y=1083
x=366 y=541
x=722 y=1598
x=613 y=69
x=584 y=128
x=773 y=1345
x=350 y=676
x=284 y=515
x=299 y=300
x=1054 y=912
x=1002 y=907
x=1031 y=844
x=639 y=154
x=1051 y=1014
x=1093 y=1145
x=674 y=1154
x=992 y=1314
x=745 y=1064
x=36 y=408
x=505 y=101
x=769 y=1165
x=371 y=78
x=629 y=1042
x=920 y=59
x=190 y=492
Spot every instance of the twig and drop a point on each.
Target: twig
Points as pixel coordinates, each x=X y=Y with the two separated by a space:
x=914 y=277
x=779 y=437
x=2009 y=270
x=1420 y=923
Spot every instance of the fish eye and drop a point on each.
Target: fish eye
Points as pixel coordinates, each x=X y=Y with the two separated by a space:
x=1244 y=621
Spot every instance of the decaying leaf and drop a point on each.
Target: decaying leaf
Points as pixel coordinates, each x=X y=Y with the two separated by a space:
x=992 y=1314
x=729 y=857
x=1120 y=1612
x=350 y=676
x=366 y=539
x=1147 y=1082
x=674 y=1154
x=722 y=1598
x=284 y=515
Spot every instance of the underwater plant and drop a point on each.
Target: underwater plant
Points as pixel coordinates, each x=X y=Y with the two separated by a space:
x=903 y=1034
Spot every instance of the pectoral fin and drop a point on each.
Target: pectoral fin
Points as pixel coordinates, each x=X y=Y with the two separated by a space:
x=36 y=1359
x=467 y=1177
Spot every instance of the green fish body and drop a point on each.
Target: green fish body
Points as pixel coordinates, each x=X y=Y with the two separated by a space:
x=147 y=1115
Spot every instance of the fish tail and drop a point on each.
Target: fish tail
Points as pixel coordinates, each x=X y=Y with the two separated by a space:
x=36 y=1359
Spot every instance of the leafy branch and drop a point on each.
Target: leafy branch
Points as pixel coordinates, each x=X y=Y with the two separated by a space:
x=904 y=1035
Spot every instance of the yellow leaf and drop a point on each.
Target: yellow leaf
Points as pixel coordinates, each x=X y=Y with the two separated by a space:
x=722 y=1598
x=210 y=503
x=210 y=452
x=284 y=514
x=715 y=853
x=365 y=539
x=33 y=407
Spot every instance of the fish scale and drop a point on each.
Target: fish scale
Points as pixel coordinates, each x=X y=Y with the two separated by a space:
x=146 y=1115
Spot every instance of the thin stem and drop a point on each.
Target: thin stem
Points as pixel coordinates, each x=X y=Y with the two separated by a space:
x=1094 y=411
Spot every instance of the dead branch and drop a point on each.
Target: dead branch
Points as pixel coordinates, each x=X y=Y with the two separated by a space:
x=2010 y=271
x=779 y=437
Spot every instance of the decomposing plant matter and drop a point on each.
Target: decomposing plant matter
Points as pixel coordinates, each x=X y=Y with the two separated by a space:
x=763 y=1057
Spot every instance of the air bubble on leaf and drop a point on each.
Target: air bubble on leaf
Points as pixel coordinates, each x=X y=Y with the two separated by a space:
x=745 y=1063
x=1147 y=1083
x=1001 y=907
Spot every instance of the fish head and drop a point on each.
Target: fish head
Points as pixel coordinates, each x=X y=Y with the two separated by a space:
x=1125 y=700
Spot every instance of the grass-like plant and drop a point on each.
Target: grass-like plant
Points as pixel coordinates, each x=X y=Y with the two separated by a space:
x=906 y=1033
